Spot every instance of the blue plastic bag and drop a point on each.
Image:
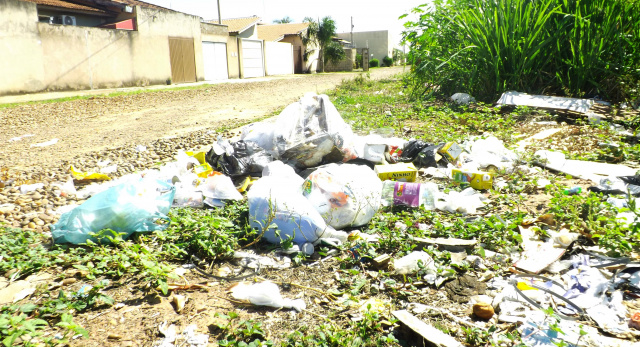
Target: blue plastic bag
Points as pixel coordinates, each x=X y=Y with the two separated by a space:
x=126 y=208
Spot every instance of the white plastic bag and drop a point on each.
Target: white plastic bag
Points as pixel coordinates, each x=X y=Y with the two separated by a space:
x=280 y=169
x=344 y=195
x=277 y=205
x=265 y=294
x=411 y=263
x=220 y=187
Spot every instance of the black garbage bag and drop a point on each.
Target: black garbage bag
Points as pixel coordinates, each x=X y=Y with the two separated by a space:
x=632 y=186
x=422 y=154
x=245 y=158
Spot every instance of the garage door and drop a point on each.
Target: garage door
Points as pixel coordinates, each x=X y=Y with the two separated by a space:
x=252 y=62
x=214 y=55
x=182 y=59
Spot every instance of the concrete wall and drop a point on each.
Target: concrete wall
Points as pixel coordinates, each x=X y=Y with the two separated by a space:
x=379 y=42
x=311 y=65
x=346 y=64
x=42 y=56
x=21 y=63
x=278 y=58
x=250 y=33
x=233 y=56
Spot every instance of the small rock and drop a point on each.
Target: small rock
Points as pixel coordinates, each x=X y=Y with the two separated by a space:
x=114 y=337
x=68 y=281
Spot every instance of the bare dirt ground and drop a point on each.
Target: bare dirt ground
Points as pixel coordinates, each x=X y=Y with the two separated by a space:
x=87 y=125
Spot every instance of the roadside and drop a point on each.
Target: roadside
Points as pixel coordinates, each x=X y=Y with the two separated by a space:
x=98 y=122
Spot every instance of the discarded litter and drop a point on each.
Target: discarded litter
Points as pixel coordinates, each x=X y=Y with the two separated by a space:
x=45 y=144
x=344 y=195
x=126 y=208
x=265 y=294
x=477 y=180
x=81 y=176
x=413 y=262
x=409 y=194
x=405 y=172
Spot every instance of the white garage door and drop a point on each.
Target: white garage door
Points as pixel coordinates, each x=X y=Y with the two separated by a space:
x=252 y=62
x=214 y=55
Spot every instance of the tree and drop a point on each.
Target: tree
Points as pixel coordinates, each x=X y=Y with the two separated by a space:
x=321 y=34
x=284 y=20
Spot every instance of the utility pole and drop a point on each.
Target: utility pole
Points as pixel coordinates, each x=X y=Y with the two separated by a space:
x=219 y=15
x=352 y=44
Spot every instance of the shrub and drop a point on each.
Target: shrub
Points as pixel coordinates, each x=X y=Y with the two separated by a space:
x=583 y=49
x=374 y=63
x=358 y=60
x=387 y=61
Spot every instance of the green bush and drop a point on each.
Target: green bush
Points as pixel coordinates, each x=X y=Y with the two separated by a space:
x=564 y=47
x=358 y=60
x=387 y=61
x=374 y=63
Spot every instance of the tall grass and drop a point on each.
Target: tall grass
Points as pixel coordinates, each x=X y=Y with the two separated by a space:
x=566 y=47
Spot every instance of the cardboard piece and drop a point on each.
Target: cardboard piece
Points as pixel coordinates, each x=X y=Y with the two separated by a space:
x=405 y=172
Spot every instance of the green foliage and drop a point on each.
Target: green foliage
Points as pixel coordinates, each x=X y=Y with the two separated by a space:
x=374 y=63
x=588 y=213
x=334 y=53
x=241 y=333
x=486 y=47
x=358 y=61
x=283 y=20
x=321 y=35
x=202 y=233
x=387 y=61
x=365 y=332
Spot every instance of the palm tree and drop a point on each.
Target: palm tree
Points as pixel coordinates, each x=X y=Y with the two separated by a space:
x=284 y=20
x=322 y=34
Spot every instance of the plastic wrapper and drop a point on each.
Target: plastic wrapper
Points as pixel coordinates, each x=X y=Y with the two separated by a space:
x=311 y=131
x=413 y=261
x=126 y=208
x=265 y=294
x=344 y=195
x=277 y=205
x=187 y=196
x=80 y=176
x=238 y=158
x=220 y=187
x=278 y=168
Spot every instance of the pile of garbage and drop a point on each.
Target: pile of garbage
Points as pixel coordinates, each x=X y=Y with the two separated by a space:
x=306 y=176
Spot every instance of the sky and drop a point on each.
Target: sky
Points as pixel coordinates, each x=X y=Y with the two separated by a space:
x=367 y=15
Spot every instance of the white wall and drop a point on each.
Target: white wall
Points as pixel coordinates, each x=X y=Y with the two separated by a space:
x=278 y=58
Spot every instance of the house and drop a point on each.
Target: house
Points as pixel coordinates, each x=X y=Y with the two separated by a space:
x=243 y=38
x=379 y=42
x=89 y=44
x=291 y=33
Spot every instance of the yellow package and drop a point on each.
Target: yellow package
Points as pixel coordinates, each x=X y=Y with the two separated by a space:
x=203 y=170
x=88 y=175
x=477 y=180
x=198 y=155
x=451 y=151
x=404 y=172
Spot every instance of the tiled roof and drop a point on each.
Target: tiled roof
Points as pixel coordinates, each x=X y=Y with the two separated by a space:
x=65 y=4
x=78 y=6
x=276 y=32
x=237 y=25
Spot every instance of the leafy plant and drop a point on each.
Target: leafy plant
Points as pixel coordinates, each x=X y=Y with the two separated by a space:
x=387 y=61
x=374 y=62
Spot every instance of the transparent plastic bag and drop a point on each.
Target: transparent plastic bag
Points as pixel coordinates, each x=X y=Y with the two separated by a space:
x=277 y=205
x=309 y=130
x=220 y=187
x=344 y=195
x=126 y=208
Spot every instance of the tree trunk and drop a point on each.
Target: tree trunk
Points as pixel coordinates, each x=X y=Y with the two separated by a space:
x=321 y=58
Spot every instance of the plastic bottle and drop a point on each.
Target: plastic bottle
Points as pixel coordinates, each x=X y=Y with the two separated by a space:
x=572 y=191
x=409 y=194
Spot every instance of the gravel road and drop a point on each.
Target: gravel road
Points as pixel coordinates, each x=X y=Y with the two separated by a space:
x=99 y=123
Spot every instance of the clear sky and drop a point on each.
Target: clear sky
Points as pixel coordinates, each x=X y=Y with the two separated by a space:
x=367 y=15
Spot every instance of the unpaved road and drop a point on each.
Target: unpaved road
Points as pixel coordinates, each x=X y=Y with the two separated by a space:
x=88 y=125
